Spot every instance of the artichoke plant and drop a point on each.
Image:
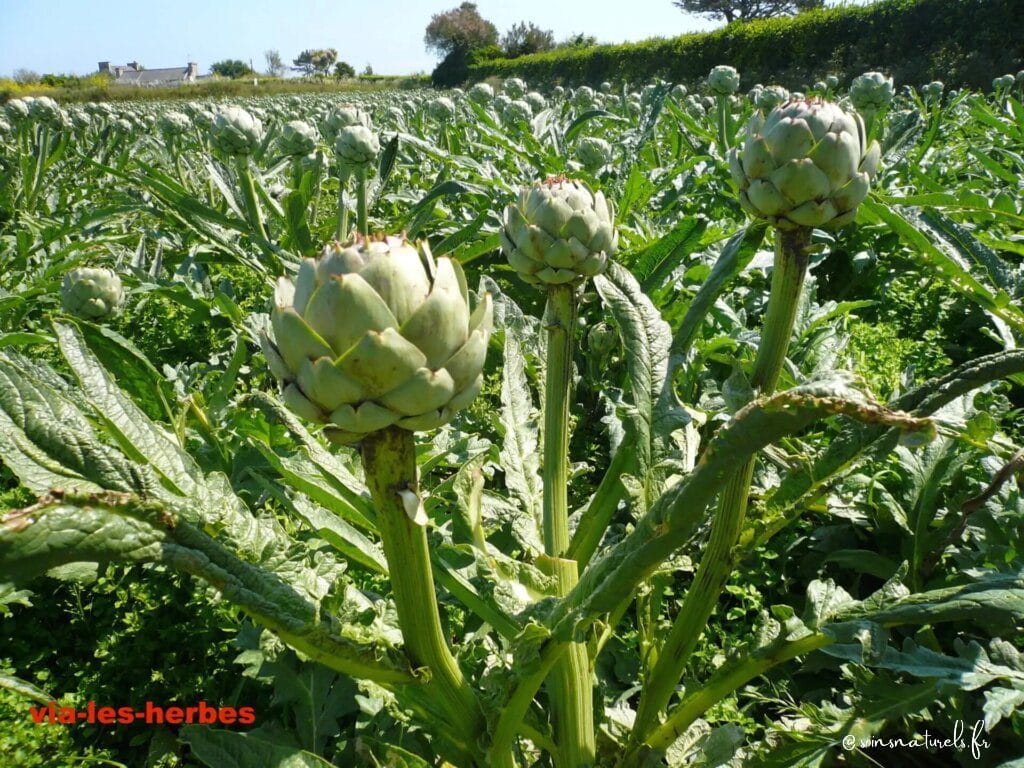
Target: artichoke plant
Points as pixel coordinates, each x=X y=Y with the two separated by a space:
x=235 y=132
x=517 y=111
x=808 y=164
x=558 y=232
x=514 y=87
x=91 y=293
x=375 y=334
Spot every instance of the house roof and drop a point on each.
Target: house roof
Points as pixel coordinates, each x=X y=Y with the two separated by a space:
x=149 y=76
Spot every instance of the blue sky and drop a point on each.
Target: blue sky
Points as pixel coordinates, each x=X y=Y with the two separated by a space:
x=73 y=35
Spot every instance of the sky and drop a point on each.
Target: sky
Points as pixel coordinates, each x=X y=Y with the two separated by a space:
x=72 y=36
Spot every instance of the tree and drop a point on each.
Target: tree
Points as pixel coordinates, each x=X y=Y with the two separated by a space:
x=525 y=38
x=315 y=61
x=578 y=40
x=25 y=76
x=275 y=66
x=343 y=69
x=231 y=68
x=747 y=10
x=367 y=71
x=459 y=30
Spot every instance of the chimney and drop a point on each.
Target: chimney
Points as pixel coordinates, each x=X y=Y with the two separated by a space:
x=104 y=67
x=133 y=65
x=193 y=71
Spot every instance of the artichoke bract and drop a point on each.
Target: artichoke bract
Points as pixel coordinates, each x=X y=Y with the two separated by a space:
x=558 y=232
x=807 y=164
x=375 y=334
x=91 y=293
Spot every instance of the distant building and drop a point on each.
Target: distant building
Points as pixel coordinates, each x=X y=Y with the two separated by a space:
x=132 y=74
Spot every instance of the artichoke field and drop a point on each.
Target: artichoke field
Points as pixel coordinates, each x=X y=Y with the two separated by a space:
x=622 y=425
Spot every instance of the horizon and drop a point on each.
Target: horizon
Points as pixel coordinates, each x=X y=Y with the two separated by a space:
x=77 y=36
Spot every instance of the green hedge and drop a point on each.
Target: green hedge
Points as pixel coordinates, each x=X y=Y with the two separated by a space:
x=961 y=42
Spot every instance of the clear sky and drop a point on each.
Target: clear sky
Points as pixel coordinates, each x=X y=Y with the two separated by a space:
x=73 y=35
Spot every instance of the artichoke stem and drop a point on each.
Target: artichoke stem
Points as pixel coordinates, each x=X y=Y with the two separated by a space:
x=364 y=227
x=570 y=689
x=723 y=124
x=716 y=563
x=389 y=458
x=252 y=205
x=341 y=233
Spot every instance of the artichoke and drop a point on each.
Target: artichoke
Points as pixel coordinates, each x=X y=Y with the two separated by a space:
x=441 y=109
x=832 y=81
x=297 y=139
x=514 y=88
x=871 y=92
x=481 y=93
x=517 y=111
x=235 y=132
x=356 y=147
x=594 y=152
x=375 y=334
x=807 y=164
x=770 y=97
x=343 y=117
x=91 y=293
x=174 y=123
x=723 y=80
x=1001 y=83
x=558 y=232
x=933 y=90
x=536 y=101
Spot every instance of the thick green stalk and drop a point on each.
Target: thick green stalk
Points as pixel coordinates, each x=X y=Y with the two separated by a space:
x=721 y=684
x=389 y=458
x=341 y=233
x=716 y=563
x=572 y=709
x=252 y=204
x=364 y=226
x=723 y=124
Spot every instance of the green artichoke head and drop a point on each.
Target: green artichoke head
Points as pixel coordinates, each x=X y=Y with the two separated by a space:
x=441 y=109
x=558 y=232
x=807 y=164
x=297 y=138
x=723 y=80
x=871 y=92
x=236 y=132
x=481 y=93
x=376 y=334
x=91 y=293
x=769 y=97
x=594 y=152
x=356 y=147
x=342 y=117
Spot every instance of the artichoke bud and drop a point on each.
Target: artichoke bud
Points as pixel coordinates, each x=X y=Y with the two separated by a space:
x=723 y=80
x=807 y=164
x=297 y=139
x=375 y=334
x=356 y=147
x=235 y=132
x=91 y=293
x=871 y=92
x=558 y=232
